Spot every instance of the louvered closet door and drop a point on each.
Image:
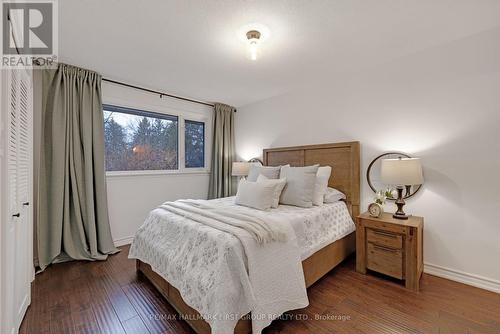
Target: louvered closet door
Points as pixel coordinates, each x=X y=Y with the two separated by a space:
x=12 y=133
x=19 y=240
x=24 y=252
x=9 y=239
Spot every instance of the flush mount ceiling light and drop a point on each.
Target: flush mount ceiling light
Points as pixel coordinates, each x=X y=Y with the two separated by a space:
x=253 y=37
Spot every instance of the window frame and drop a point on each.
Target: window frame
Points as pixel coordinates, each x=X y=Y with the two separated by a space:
x=181 y=116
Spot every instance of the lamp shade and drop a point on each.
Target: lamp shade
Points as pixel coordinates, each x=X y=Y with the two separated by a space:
x=402 y=172
x=241 y=168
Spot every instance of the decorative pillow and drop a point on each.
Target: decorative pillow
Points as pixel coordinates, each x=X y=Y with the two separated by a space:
x=299 y=189
x=255 y=195
x=269 y=172
x=278 y=184
x=322 y=177
x=332 y=195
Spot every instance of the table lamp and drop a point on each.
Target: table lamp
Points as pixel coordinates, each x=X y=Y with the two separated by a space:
x=401 y=172
x=241 y=169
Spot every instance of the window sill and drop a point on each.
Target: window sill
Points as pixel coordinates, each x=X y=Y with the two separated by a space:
x=157 y=173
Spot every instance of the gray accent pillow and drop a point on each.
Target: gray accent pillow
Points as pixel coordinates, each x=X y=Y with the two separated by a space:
x=255 y=195
x=322 y=178
x=279 y=184
x=269 y=172
x=299 y=189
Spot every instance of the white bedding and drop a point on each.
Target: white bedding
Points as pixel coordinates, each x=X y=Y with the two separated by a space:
x=315 y=227
x=211 y=267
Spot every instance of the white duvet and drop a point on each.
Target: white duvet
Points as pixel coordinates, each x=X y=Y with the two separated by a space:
x=223 y=271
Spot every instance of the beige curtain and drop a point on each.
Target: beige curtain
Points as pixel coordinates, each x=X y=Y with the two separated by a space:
x=221 y=182
x=73 y=215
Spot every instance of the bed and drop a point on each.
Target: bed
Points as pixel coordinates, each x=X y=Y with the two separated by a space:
x=325 y=234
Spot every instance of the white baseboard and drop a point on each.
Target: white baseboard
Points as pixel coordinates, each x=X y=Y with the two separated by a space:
x=123 y=241
x=463 y=277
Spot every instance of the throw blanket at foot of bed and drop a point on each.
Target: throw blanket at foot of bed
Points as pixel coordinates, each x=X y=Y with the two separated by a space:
x=225 y=263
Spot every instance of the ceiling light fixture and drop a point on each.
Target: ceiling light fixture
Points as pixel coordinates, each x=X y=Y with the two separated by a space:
x=253 y=37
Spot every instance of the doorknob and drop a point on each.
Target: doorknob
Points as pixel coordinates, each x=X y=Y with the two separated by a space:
x=26 y=203
x=16 y=215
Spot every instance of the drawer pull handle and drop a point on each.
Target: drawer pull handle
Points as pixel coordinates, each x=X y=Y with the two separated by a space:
x=387 y=249
x=385 y=234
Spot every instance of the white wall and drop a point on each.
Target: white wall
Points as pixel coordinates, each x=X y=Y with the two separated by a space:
x=443 y=105
x=131 y=197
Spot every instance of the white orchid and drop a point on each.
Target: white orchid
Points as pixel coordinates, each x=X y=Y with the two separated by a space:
x=382 y=195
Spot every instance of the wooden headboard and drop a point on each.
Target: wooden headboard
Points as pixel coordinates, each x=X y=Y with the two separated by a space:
x=342 y=157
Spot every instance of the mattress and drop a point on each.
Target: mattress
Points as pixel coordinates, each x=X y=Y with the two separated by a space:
x=315 y=227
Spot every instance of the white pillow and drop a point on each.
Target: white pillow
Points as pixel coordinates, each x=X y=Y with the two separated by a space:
x=278 y=184
x=269 y=172
x=332 y=195
x=322 y=177
x=255 y=195
x=299 y=189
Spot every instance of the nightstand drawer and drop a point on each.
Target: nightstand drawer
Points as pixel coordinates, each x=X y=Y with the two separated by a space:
x=383 y=238
x=385 y=260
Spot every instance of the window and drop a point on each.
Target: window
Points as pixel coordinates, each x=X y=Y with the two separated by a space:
x=138 y=140
x=194 y=144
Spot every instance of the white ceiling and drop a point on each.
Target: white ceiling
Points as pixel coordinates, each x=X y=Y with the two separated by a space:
x=191 y=47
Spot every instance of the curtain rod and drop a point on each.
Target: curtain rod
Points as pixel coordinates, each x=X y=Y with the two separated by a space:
x=158 y=92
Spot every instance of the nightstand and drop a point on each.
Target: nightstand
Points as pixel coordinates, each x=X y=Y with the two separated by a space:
x=391 y=246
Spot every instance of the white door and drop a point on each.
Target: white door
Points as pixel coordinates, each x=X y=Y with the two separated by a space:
x=17 y=240
x=24 y=237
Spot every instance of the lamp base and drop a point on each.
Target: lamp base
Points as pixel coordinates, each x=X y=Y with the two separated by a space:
x=400 y=202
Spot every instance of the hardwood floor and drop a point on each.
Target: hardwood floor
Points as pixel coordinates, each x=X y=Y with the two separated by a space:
x=109 y=297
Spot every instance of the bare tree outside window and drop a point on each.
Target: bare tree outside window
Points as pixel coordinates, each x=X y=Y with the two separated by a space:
x=139 y=140
x=194 y=144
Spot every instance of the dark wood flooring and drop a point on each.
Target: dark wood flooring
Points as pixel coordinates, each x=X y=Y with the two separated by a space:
x=109 y=297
